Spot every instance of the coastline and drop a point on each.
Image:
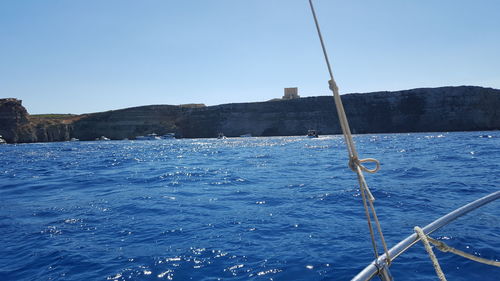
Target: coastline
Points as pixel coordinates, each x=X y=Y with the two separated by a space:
x=444 y=109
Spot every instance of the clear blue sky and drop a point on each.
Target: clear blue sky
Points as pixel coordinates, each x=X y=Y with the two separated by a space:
x=77 y=56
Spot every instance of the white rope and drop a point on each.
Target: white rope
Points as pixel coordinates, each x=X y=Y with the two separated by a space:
x=355 y=163
x=428 y=248
x=426 y=240
x=445 y=248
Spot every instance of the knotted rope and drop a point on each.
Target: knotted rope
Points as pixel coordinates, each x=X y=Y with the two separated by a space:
x=445 y=248
x=426 y=240
x=428 y=248
x=355 y=163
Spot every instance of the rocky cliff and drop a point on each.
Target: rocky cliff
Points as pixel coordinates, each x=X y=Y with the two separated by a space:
x=418 y=110
x=14 y=123
x=463 y=108
x=128 y=123
x=17 y=126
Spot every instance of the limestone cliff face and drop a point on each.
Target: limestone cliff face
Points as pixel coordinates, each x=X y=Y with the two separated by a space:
x=425 y=110
x=49 y=132
x=277 y=118
x=128 y=123
x=16 y=126
x=463 y=108
x=419 y=110
x=14 y=123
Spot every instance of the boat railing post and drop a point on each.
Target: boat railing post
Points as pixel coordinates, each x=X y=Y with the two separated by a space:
x=384 y=273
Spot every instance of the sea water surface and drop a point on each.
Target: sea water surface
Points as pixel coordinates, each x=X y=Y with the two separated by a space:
x=278 y=208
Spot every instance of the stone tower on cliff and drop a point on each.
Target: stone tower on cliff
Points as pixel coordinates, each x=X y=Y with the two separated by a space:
x=291 y=93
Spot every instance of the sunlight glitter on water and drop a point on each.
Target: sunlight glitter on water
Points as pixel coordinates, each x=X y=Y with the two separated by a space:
x=284 y=208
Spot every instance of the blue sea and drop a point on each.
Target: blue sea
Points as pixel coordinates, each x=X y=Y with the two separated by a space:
x=269 y=208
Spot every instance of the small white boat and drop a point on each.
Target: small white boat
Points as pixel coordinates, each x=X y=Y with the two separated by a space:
x=102 y=138
x=151 y=136
x=221 y=136
x=74 y=139
x=2 y=141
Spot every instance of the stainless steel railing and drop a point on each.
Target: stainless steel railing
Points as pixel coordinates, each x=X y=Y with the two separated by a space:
x=380 y=265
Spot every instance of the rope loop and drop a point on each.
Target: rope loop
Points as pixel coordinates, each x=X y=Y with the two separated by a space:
x=355 y=162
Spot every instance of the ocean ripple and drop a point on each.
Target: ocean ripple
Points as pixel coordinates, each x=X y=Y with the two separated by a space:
x=278 y=208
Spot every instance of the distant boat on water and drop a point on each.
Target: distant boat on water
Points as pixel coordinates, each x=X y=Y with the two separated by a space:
x=151 y=136
x=481 y=136
x=312 y=134
x=221 y=136
x=102 y=138
x=74 y=139
x=246 y=136
x=2 y=141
